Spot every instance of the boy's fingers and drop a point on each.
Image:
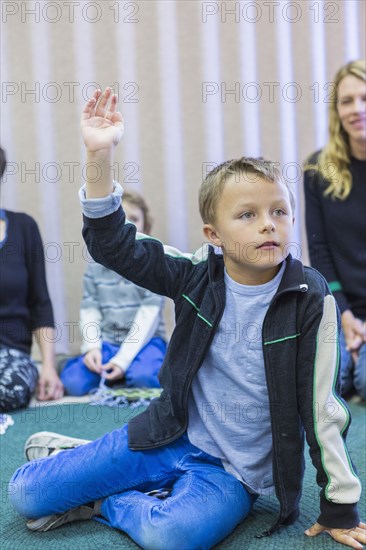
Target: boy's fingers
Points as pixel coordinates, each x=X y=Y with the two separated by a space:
x=104 y=98
x=89 y=108
x=314 y=530
x=87 y=111
x=113 y=104
x=349 y=537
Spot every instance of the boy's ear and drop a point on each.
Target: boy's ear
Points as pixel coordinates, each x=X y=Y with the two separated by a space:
x=211 y=234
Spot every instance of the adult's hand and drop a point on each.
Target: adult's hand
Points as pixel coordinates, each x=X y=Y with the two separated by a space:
x=49 y=385
x=354 y=332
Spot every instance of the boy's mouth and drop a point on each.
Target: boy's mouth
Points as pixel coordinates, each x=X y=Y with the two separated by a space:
x=268 y=244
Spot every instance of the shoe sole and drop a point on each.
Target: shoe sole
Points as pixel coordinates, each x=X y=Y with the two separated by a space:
x=74 y=442
x=37 y=524
x=47 y=523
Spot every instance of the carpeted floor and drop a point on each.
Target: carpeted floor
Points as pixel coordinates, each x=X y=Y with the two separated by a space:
x=87 y=421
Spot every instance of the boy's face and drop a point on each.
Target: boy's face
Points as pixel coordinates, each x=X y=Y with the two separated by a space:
x=135 y=215
x=254 y=223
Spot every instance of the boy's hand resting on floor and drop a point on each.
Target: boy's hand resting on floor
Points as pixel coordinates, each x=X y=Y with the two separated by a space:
x=101 y=123
x=348 y=537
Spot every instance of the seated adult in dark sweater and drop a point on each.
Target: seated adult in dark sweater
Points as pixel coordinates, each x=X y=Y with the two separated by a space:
x=335 y=198
x=25 y=310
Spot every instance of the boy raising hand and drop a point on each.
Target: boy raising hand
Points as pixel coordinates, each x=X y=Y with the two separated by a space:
x=251 y=364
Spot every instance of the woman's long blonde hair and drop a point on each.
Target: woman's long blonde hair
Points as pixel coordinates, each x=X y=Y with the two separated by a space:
x=334 y=160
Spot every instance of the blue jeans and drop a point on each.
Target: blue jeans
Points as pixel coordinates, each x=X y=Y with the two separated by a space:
x=142 y=373
x=205 y=505
x=353 y=374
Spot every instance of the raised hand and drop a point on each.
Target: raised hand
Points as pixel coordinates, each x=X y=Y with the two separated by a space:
x=101 y=123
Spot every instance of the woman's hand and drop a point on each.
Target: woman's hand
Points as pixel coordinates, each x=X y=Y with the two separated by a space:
x=49 y=385
x=354 y=332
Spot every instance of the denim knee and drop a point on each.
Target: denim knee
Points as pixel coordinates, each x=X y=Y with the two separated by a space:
x=76 y=385
x=163 y=535
x=24 y=496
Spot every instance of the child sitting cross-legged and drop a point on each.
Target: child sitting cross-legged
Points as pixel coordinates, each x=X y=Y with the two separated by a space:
x=122 y=326
x=252 y=330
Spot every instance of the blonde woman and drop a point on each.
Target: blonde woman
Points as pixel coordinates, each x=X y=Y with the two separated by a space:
x=335 y=198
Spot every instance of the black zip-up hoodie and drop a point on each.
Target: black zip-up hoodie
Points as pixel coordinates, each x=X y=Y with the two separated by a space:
x=301 y=355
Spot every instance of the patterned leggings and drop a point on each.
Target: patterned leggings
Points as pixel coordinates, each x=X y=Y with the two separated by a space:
x=18 y=379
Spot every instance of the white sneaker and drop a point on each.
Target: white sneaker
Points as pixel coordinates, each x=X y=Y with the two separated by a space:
x=42 y=444
x=86 y=511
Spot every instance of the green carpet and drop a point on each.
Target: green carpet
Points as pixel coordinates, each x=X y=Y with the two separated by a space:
x=90 y=422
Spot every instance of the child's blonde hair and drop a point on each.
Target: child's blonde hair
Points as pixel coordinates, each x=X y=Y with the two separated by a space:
x=252 y=168
x=334 y=160
x=137 y=200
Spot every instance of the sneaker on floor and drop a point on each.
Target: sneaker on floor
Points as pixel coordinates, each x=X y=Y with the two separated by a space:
x=86 y=511
x=42 y=444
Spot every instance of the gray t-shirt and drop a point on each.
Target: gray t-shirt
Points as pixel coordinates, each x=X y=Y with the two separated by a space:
x=228 y=408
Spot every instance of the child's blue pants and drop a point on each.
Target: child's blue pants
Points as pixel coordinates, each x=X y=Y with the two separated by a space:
x=142 y=373
x=205 y=505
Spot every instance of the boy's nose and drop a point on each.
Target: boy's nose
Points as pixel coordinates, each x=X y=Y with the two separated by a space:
x=268 y=226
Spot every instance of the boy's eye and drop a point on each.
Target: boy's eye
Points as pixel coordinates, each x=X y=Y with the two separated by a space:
x=247 y=215
x=279 y=212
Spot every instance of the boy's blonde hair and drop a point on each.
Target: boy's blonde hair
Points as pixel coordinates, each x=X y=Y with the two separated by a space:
x=252 y=168
x=334 y=160
x=137 y=200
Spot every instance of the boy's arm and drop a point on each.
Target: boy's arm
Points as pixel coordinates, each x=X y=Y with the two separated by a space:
x=112 y=242
x=102 y=129
x=326 y=419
